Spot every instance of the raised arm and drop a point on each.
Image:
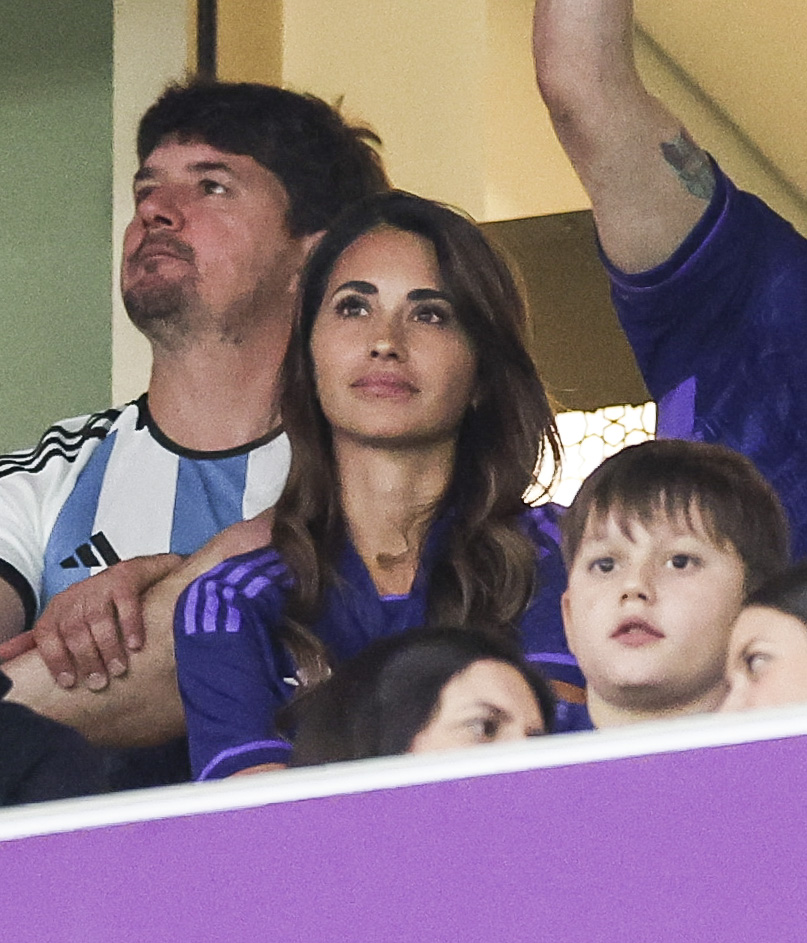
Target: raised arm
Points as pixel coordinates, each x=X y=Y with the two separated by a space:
x=649 y=183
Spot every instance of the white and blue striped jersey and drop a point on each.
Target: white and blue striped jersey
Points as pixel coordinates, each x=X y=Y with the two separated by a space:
x=111 y=486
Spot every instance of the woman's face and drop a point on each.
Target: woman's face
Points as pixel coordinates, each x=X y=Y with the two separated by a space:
x=393 y=364
x=489 y=701
x=767 y=660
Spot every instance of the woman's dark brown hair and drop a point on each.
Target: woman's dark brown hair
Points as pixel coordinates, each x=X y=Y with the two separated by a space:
x=378 y=702
x=785 y=591
x=485 y=573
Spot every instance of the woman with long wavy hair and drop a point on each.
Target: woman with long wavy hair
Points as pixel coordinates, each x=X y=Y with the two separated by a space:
x=416 y=417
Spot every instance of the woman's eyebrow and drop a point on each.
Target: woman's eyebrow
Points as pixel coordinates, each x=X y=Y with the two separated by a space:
x=366 y=288
x=427 y=294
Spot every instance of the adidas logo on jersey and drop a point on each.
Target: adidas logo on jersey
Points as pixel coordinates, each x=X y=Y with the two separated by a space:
x=85 y=554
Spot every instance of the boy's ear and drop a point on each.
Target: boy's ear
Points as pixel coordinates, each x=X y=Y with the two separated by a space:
x=566 y=612
x=564 y=608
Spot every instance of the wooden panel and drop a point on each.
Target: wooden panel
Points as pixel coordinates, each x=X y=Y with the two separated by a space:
x=250 y=41
x=584 y=357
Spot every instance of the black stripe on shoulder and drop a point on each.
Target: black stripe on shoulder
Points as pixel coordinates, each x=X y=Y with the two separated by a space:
x=22 y=588
x=59 y=442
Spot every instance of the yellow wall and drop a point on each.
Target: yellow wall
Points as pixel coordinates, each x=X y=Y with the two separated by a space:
x=397 y=69
x=750 y=58
x=250 y=41
x=526 y=170
x=449 y=86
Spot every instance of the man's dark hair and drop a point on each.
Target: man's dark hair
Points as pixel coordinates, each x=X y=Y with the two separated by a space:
x=324 y=163
x=675 y=478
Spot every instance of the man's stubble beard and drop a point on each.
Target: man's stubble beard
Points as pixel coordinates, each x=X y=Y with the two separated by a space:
x=162 y=312
x=172 y=314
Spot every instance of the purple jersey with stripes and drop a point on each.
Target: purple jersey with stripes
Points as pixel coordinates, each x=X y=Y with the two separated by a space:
x=720 y=334
x=234 y=673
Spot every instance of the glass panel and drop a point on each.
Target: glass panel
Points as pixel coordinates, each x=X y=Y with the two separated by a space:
x=590 y=437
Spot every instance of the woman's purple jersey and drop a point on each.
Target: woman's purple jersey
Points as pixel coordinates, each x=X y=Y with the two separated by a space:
x=234 y=673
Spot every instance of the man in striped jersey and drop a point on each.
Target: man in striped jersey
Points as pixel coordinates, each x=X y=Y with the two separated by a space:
x=235 y=183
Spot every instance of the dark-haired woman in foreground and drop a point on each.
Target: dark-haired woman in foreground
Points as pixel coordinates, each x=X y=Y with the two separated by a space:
x=416 y=692
x=416 y=416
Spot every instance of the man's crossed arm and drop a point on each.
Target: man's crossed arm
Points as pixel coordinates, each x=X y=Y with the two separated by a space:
x=101 y=656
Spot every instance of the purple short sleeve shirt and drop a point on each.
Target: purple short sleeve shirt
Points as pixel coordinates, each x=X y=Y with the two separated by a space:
x=720 y=334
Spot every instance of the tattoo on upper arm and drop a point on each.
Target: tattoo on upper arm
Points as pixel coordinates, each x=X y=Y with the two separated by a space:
x=691 y=165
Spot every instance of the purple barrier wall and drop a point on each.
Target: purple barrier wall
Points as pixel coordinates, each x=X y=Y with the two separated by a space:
x=706 y=845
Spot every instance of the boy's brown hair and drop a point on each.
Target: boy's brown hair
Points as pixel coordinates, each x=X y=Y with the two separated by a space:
x=671 y=477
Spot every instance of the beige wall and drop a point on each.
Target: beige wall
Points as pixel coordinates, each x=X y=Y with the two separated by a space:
x=396 y=69
x=750 y=58
x=150 y=50
x=250 y=41
x=526 y=170
x=450 y=88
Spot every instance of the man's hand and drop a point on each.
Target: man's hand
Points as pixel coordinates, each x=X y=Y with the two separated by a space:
x=142 y=708
x=87 y=631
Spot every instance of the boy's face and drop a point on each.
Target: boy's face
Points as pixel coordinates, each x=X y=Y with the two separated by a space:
x=648 y=613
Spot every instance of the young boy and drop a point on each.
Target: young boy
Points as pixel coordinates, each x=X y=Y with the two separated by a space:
x=662 y=543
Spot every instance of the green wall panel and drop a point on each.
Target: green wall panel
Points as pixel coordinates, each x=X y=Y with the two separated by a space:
x=55 y=212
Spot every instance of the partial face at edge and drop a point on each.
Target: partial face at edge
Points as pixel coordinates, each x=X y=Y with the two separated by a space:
x=490 y=701
x=393 y=363
x=767 y=660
